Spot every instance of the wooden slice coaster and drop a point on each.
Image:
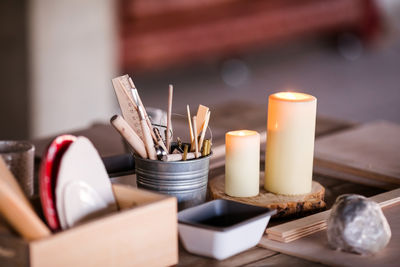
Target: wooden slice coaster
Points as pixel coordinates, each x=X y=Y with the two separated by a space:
x=285 y=205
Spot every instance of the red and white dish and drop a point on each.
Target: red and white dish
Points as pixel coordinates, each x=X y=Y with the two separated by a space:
x=48 y=177
x=83 y=187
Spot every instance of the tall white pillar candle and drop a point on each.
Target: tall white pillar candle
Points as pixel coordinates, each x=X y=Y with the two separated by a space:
x=242 y=163
x=290 y=143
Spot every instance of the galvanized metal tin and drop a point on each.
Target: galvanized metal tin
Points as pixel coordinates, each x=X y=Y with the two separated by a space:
x=186 y=180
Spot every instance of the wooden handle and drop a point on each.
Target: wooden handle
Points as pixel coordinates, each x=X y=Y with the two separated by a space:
x=129 y=134
x=169 y=126
x=178 y=157
x=190 y=129
x=151 y=129
x=148 y=141
x=203 y=131
x=196 y=145
x=16 y=209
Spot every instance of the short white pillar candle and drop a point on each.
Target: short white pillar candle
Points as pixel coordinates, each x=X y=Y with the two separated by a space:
x=242 y=163
x=290 y=143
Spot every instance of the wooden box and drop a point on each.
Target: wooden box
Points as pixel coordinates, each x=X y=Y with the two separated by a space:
x=142 y=233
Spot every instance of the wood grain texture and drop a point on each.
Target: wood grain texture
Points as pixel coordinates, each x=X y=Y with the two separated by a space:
x=16 y=209
x=143 y=233
x=369 y=151
x=316 y=248
x=248 y=256
x=127 y=106
x=283 y=260
x=285 y=205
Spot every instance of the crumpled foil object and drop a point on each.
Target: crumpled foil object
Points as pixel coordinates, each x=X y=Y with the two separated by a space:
x=357 y=224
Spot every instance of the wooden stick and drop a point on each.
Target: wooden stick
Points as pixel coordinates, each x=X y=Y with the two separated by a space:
x=129 y=135
x=125 y=82
x=148 y=134
x=201 y=117
x=148 y=140
x=178 y=157
x=140 y=103
x=169 y=125
x=185 y=151
x=16 y=209
x=190 y=129
x=203 y=131
x=196 y=145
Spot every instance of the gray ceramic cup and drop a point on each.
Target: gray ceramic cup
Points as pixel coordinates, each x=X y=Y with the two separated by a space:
x=19 y=158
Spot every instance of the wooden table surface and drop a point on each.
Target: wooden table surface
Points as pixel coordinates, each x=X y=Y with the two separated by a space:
x=234 y=116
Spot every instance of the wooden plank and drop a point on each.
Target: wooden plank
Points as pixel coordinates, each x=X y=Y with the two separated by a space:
x=326 y=125
x=283 y=260
x=349 y=188
x=336 y=174
x=248 y=256
x=315 y=247
x=369 y=151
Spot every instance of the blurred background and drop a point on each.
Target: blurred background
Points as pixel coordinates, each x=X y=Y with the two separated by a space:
x=57 y=58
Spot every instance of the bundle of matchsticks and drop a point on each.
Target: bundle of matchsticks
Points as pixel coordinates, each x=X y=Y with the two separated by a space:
x=136 y=127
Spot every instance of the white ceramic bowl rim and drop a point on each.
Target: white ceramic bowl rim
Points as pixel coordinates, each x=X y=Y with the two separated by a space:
x=263 y=212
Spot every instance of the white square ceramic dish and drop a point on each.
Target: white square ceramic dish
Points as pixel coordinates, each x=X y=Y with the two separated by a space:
x=222 y=228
